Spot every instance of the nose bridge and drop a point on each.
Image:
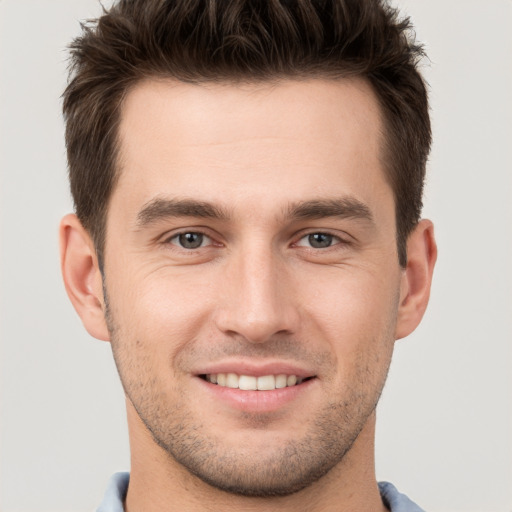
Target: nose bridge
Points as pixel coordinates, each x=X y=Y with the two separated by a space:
x=257 y=304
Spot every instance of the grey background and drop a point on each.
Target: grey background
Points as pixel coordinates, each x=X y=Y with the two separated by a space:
x=445 y=422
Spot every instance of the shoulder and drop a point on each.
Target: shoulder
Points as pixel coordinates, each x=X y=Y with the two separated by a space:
x=395 y=501
x=115 y=494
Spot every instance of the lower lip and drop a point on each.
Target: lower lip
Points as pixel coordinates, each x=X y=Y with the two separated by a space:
x=256 y=401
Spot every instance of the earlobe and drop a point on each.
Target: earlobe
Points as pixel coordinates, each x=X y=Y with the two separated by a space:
x=416 y=278
x=82 y=276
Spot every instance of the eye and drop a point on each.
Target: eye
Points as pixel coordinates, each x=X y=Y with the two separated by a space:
x=190 y=240
x=318 y=240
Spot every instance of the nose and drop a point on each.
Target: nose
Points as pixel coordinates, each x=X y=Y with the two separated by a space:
x=257 y=300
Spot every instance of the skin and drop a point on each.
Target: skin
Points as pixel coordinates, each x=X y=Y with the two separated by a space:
x=255 y=170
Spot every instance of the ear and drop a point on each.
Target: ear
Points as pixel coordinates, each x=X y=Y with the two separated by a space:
x=82 y=276
x=416 y=278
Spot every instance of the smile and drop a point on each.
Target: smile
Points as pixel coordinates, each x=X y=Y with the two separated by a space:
x=252 y=383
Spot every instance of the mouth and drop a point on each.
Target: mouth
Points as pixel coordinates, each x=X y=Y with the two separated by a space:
x=257 y=388
x=254 y=383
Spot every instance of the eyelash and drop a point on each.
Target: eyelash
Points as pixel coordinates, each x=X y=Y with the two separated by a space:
x=334 y=240
x=177 y=237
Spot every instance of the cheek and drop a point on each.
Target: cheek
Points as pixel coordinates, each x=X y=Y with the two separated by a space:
x=162 y=311
x=359 y=325
x=353 y=310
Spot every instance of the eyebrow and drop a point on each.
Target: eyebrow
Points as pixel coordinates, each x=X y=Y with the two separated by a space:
x=344 y=207
x=159 y=209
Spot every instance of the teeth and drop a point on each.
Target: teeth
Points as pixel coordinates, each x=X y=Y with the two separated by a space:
x=232 y=380
x=281 y=381
x=251 y=383
x=266 y=383
x=291 y=380
x=247 y=383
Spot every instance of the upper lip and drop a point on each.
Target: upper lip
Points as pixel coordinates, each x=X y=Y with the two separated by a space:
x=256 y=369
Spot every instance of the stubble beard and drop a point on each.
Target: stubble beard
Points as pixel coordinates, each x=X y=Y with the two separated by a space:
x=292 y=467
x=295 y=465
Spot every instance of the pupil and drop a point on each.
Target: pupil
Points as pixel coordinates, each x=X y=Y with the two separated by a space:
x=191 y=240
x=320 y=240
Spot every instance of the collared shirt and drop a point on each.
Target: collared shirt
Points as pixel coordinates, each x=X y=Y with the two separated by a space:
x=118 y=485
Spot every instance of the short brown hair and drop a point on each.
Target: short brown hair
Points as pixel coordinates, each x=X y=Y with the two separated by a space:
x=242 y=40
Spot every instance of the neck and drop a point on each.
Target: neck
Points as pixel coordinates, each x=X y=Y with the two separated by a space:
x=158 y=483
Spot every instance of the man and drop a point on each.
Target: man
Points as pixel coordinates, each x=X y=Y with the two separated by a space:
x=247 y=179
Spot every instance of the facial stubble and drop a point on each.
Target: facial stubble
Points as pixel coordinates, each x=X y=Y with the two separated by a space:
x=293 y=466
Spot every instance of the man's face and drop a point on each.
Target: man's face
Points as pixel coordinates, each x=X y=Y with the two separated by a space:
x=251 y=243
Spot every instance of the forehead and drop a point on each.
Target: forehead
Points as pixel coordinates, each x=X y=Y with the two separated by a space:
x=238 y=142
